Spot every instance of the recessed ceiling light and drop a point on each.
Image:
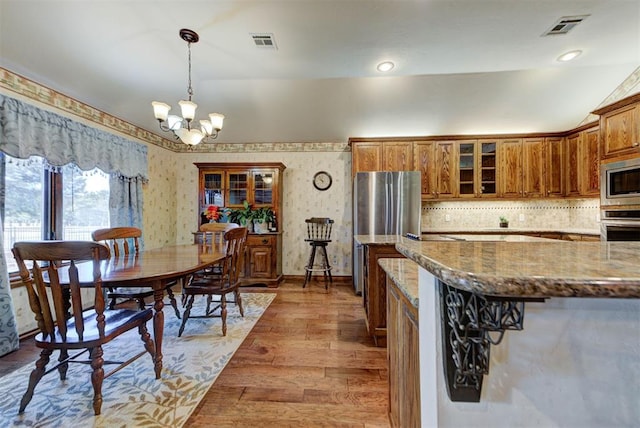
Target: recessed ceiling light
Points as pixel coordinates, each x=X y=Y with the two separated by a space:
x=569 y=56
x=385 y=66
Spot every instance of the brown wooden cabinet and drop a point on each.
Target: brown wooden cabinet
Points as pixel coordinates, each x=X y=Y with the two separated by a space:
x=476 y=168
x=446 y=169
x=554 y=167
x=505 y=167
x=366 y=156
x=424 y=161
x=381 y=156
x=572 y=166
x=521 y=168
x=620 y=128
x=374 y=292
x=397 y=156
x=262 y=261
x=404 y=362
x=582 y=163
x=510 y=177
x=590 y=160
x=260 y=184
x=533 y=168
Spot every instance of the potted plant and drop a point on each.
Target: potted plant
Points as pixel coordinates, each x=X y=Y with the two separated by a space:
x=504 y=222
x=261 y=219
x=242 y=216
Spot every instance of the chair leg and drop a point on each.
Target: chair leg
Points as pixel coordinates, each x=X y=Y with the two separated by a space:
x=185 y=315
x=327 y=267
x=97 y=376
x=309 y=268
x=239 y=302
x=223 y=313
x=35 y=377
x=141 y=304
x=112 y=302
x=62 y=368
x=172 y=299
x=148 y=342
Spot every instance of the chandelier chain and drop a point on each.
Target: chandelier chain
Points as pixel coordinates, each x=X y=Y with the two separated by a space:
x=189 y=89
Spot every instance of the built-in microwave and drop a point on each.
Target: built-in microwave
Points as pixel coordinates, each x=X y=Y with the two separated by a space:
x=620 y=183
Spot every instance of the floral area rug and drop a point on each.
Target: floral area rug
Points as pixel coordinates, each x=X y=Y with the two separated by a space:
x=132 y=396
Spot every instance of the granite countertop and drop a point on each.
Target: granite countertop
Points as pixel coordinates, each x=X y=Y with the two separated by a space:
x=404 y=273
x=549 y=268
x=394 y=239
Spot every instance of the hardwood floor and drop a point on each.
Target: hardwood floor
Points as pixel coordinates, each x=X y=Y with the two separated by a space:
x=307 y=362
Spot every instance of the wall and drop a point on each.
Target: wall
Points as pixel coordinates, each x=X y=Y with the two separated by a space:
x=301 y=200
x=580 y=215
x=160 y=198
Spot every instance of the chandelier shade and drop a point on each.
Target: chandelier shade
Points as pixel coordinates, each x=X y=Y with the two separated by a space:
x=182 y=126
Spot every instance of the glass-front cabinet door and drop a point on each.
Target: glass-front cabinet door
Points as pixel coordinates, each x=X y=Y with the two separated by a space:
x=238 y=188
x=466 y=169
x=213 y=189
x=263 y=188
x=488 y=168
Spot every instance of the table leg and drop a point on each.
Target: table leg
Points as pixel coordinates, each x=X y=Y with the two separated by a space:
x=158 y=325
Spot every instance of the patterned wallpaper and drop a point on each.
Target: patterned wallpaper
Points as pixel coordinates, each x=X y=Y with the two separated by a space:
x=300 y=200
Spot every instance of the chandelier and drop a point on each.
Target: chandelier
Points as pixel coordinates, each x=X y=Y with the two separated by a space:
x=182 y=126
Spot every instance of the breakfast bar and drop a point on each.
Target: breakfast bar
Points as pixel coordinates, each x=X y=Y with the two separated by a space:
x=573 y=363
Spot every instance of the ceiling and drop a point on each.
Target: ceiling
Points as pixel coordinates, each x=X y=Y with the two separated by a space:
x=462 y=67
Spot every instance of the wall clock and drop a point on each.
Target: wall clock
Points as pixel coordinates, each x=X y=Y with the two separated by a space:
x=322 y=180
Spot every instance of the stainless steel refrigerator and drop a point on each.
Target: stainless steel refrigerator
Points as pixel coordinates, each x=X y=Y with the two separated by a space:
x=384 y=203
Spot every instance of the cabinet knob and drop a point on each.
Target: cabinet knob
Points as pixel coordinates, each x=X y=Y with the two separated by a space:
x=265 y=241
x=636 y=144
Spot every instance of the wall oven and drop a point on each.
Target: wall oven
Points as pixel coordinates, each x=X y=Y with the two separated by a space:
x=620 y=225
x=620 y=183
x=620 y=200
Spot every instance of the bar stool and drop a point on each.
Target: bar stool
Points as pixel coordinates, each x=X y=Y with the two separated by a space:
x=318 y=236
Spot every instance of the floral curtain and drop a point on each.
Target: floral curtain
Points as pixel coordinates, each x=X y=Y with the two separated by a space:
x=26 y=130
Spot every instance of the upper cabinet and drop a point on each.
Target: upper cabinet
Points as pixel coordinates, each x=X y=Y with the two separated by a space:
x=366 y=156
x=517 y=167
x=379 y=156
x=397 y=156
x=423 y=161
x=554 y=149
x=582 y=163
x=620 y=128
x=521 y=168
x=230 y=184
x=446 y=155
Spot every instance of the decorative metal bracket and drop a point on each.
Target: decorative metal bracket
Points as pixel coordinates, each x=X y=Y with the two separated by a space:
x=470 y=324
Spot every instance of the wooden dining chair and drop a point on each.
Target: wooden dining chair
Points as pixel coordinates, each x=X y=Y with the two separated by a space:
x=227 y=282
x=124 y=242
x=54 y=295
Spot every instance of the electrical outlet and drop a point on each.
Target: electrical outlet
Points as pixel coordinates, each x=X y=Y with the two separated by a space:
x=447 y=217
x=521 y=217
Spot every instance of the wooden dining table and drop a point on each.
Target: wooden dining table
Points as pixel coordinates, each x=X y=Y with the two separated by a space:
x=154 y=268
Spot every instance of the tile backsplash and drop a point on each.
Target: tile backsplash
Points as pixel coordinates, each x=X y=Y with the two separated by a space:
x=547 y=214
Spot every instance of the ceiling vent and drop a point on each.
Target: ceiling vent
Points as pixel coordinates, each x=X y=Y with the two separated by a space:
x=264 y=40
x=564 y=25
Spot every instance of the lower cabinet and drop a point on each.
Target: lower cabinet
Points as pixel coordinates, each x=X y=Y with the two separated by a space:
x=404 y=360
x=262 y=264
x=374 y=290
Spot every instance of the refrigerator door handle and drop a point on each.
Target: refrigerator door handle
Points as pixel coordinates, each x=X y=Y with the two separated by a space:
x=388 y=208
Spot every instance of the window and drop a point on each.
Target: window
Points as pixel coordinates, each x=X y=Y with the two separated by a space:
x=51 y=203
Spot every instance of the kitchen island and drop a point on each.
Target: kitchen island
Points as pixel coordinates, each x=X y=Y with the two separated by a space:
x=574 y=362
